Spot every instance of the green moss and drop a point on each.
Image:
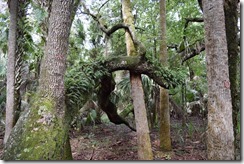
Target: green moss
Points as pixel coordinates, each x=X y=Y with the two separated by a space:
x=40 y=135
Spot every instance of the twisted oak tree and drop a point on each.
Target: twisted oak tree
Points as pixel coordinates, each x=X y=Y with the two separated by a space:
x=138 y=64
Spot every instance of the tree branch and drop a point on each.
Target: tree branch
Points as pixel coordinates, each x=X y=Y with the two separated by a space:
x=195 y=49
x=193 y=53
x=138 y=64
x=192 y=20
x=140 y=47
x=102 y=5
x=107 y=86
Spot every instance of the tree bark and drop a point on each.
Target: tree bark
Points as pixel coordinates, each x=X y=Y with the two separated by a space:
x=163 y=77
x=164 y=124
x=21 y=66
x=143 y=138
x=220 y=139
x=41 y=133
x=12 y=45
x=231 y=17
x=142 y=129
x=107 y=86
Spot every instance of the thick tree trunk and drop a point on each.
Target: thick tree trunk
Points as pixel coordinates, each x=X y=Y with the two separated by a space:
x=231 y=18
x=12 y=41
x=164 y=124
x=143 y=138
x=41 y=133
x=220 y=139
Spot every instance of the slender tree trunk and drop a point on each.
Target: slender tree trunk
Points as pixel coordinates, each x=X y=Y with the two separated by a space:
x=184 y=111
x=155 y=111
x=20 y=74
x=12 y=44
x=143 y=138
x=164 y=125
x=142 y=129
x=231 y=18
x=220 y=138
x=41 y=133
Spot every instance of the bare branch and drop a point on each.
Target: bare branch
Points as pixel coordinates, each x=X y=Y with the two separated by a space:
x=140 y=47
x=102 y=5
x=192 y=20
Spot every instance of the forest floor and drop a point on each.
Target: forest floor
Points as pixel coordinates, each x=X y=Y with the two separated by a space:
x=118 y=142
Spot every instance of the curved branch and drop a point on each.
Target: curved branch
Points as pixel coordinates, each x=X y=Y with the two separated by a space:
x=139 y=46
x=138 y=64
x=115 y=28
x=107 y=86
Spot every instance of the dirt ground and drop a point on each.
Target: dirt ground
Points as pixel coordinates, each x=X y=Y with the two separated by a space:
x=118 y=142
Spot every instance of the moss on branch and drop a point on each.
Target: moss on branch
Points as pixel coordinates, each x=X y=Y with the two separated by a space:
x=163 y=76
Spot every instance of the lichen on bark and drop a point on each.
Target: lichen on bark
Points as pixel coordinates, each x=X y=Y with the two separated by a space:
x=39 y=134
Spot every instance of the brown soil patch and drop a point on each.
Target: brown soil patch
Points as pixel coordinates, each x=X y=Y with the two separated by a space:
x=118 y=142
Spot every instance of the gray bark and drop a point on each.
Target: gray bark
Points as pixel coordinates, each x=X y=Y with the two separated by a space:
x=42 y=132
x=12 y=41
x=220 y=139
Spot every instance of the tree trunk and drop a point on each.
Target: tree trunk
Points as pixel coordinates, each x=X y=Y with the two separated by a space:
x=20 y=65
x=164 y=125
x=143 y=138
x=220 y=139
x=231 y=17
x=12 y=45
x=155 y=111
x=41 y=133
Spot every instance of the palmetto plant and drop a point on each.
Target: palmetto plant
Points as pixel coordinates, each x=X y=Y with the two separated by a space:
x=121 y=96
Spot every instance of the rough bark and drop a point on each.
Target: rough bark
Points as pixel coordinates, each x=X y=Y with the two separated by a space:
x=143 y=138
x=42 y=131
x=21 y=66
x=231 y=18
x=12 y=45
x=164 y=123
x=220 y=139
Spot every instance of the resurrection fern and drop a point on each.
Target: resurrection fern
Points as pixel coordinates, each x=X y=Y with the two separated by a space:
x=81 y=80
x=172 y=77
x=84 y=78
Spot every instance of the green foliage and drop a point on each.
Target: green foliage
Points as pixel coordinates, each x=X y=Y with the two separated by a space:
x=172 y=77
x=2 y=102
x=82 y=80
x=4 y=21
x=91 y=117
